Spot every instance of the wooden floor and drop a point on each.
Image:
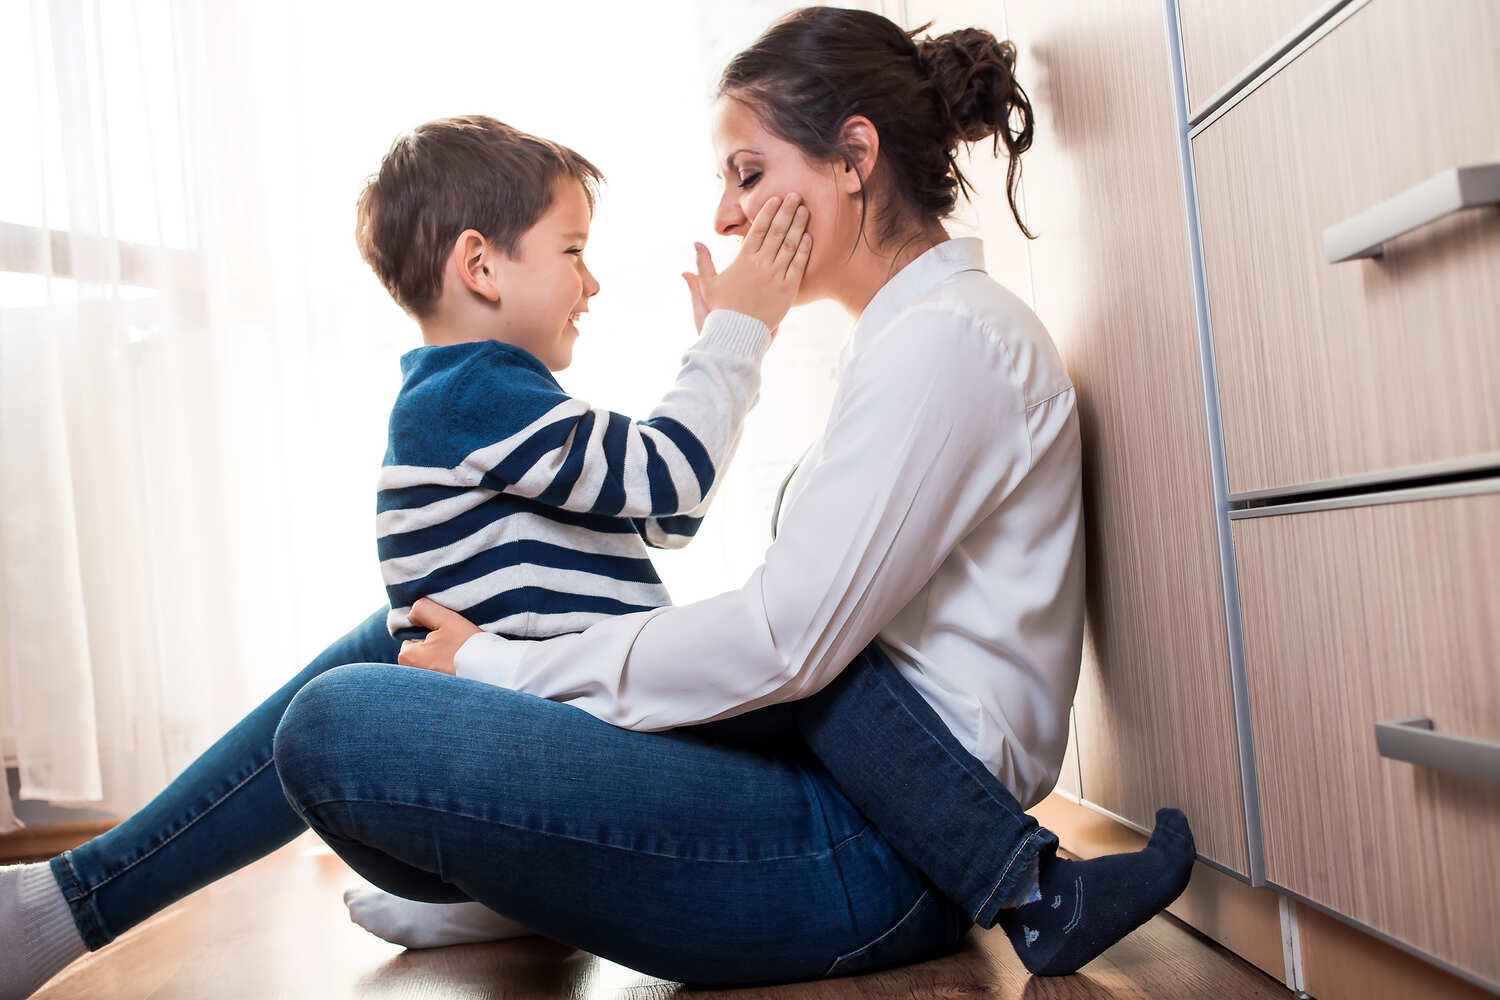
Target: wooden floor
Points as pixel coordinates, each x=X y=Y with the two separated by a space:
x=279 y=929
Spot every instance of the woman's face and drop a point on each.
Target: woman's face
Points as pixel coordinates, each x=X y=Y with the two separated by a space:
x=756 y=166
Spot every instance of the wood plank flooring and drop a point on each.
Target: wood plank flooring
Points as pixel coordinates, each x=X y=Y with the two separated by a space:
x=278 y=929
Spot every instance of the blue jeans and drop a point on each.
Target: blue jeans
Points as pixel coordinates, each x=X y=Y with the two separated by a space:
x=931 y=799
x=725 y=854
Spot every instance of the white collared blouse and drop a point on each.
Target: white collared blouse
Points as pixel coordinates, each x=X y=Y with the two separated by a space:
x=940 y=512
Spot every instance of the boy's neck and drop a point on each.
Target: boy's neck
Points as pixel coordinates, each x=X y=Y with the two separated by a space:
x=437 y=333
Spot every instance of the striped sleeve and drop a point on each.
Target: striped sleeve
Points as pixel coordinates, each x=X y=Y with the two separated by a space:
x=575 y=457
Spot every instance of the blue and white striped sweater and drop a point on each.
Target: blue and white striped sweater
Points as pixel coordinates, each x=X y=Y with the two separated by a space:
x=529 y=511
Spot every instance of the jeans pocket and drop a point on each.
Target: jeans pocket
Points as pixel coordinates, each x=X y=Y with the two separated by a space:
x=933 y=926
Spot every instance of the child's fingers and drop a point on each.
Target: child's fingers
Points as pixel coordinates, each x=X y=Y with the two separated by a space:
x=695 y=289
x=760 y=225
x=776 y=235
x=705 y=261
x=790 y=241
x=695 y=292
x=799 y=259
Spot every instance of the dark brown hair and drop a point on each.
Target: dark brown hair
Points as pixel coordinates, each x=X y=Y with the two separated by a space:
x=816 y=68
x=450 y=175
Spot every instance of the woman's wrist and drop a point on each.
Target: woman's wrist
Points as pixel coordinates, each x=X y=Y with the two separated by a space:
x=487 y=658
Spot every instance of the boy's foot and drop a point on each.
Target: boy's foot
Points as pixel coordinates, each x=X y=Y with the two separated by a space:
x=1086 y=906
x=414 y=924
x=37 y=935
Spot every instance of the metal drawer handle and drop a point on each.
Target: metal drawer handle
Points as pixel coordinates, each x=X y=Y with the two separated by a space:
x=1454 y=189
x=1414 y=740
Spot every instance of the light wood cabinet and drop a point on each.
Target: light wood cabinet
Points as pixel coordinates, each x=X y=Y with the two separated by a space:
x=1112 y=279
x=1334 y=370
x=1355 y=375
x=1223 y=38
x=1366 y=614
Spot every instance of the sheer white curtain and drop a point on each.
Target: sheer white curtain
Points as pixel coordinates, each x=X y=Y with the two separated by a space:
x=124 y=593
x=195 y=365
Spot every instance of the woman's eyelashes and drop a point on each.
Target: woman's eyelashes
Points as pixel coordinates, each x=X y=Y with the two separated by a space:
x=748 y=180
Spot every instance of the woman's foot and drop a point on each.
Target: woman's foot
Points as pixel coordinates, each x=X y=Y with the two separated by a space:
x=414 y=924
x=1086 y=906
x=38 y=938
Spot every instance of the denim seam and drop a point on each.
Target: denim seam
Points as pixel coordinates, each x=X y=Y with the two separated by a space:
x=852 y=837
x=78 y=904
x=577 y=840
x=1006 y=870
x=833 y=850
x=186 y=827
x=963 y=767
x=887 y=933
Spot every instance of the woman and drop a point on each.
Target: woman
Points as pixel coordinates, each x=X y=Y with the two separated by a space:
x=940 y=511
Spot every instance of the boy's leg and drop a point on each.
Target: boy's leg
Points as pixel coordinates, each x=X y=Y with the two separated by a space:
x=946 y=814
x=900 y=765
x=412 y=923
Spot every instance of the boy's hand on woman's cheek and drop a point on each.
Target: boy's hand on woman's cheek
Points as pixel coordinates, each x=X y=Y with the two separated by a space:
x=449 y=631
x=765 y=275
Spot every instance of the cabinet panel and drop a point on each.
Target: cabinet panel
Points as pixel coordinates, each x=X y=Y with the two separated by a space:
x=1377 y=613
x=1154 y=711
x=1221 y=40
x=1366 y=366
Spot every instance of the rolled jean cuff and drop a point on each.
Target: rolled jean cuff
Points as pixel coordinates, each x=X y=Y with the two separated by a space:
x=1019 y=874
x=80 y=903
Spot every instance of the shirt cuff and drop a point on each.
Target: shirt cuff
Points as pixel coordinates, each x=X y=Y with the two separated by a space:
x=735 y=333
x=487 y=658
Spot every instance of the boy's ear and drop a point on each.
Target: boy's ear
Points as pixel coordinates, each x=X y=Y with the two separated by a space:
x=860 y=143
x=477 y=264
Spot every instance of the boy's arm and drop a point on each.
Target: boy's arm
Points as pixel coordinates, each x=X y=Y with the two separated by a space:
x=674 y=531
x=569 y=455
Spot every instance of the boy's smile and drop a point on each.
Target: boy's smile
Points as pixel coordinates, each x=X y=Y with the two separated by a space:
x=547 y=286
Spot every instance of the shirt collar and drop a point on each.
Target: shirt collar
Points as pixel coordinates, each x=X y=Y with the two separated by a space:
x=917 y=279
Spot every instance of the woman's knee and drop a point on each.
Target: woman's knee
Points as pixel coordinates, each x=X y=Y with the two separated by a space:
x=314 y=730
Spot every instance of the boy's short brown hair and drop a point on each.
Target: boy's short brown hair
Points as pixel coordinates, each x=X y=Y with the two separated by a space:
x=450 y=175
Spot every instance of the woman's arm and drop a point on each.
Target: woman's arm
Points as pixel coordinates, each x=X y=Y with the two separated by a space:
x=927 y=437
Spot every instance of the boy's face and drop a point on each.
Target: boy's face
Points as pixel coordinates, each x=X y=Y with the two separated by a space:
x=546 y=285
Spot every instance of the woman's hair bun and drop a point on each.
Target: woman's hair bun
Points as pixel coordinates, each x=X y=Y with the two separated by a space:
x=974 y=75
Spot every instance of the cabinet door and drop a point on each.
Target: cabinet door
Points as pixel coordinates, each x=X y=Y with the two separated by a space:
x=1103 y=189
x=1368 y=366
x=1370 y=614
x=1221 y=40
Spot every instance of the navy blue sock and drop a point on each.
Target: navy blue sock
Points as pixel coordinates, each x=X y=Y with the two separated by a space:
x=1086 y=906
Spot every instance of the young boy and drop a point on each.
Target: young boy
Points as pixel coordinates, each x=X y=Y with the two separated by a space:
x=501 y=496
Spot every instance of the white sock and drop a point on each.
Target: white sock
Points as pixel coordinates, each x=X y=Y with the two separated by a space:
x=38 y=938
x=414 y=924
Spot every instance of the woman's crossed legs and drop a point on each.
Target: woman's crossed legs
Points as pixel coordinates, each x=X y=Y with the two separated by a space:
x=695 y=860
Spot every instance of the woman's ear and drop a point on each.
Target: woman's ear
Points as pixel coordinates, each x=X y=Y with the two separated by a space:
x=861 y=145
x=474 y=260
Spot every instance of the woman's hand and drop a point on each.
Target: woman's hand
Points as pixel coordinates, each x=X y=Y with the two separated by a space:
x=450 y=630
x=764 y=278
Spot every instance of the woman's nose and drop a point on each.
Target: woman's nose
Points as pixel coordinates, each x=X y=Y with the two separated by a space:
x=729 y=220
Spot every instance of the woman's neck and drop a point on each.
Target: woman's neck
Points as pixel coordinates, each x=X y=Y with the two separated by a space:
x=870 y=267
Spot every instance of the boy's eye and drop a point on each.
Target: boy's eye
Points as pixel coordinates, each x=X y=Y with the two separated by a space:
x=748 y=181
x=576 y=250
